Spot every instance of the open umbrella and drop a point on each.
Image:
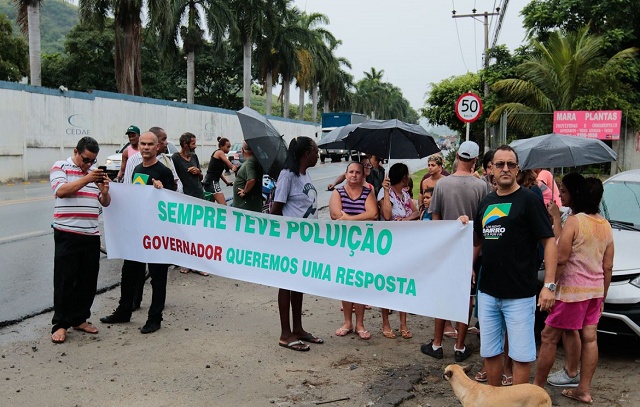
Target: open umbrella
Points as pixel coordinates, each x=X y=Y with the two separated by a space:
x=391 y=139
x=335 y=138
x=558 y=150
x=264 y=140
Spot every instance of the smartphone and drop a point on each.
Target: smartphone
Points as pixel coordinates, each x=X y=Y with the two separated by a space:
x=103 y=168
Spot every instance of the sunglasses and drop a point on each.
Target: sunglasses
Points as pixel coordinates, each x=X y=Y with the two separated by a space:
x=500 y=165
x=88 y=160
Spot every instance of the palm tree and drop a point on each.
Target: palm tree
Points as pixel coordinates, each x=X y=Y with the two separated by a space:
x=556 y=77
x=214 y=15
x=28 y=20
x=251 y=17
x=128 y=34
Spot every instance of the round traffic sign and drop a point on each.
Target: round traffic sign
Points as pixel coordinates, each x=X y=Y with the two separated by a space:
x=469 y=107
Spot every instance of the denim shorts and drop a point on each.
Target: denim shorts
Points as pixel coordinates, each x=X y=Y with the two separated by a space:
x=516 y=316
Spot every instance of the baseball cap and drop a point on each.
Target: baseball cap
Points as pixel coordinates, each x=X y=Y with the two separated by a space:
x=132 y=129
x=468 y=150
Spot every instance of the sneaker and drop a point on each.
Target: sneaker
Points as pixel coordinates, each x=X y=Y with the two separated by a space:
x=427 y=349
x=562 y=379
x=115 y=318
x=461 y=355
x=150 y=326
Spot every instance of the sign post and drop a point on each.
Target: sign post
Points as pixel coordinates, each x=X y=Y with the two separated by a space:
x=468 y=109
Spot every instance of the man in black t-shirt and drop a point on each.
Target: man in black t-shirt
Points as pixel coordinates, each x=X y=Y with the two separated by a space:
x=508 y=226
x=149 y=172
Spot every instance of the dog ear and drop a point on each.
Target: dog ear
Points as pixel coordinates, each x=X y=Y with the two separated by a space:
x=466 y=369
x=447 y=374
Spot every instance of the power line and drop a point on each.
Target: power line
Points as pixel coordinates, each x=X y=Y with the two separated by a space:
x=459 y=42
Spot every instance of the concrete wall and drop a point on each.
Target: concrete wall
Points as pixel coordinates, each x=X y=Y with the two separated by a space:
x=41 y=125
x=628 y=149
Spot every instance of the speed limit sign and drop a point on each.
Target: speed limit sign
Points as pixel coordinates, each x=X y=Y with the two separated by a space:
x=469 y=107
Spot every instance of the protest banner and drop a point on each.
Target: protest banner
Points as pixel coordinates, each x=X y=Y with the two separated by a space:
x=418 y=267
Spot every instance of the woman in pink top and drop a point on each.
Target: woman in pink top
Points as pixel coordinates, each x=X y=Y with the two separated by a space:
x=548 y=186
x=585 y=264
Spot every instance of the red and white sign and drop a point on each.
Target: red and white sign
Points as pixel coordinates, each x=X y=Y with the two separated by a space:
x=469 y=107
x=601 y=124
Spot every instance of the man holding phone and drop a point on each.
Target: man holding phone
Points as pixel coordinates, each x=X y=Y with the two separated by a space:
x=79 y=192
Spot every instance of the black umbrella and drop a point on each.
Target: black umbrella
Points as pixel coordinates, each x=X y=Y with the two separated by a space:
x=392 y=139
x=335 y=138
x=264 y=140
x=558 y=150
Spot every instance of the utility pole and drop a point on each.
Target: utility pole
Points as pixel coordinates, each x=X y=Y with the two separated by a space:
x=486 y=15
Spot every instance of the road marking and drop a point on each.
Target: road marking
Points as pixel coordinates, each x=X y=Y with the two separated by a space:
x=24 y=236
x=25 y=200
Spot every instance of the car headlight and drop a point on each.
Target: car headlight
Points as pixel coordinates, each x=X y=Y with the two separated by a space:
x=108 y=161
x=636 y=281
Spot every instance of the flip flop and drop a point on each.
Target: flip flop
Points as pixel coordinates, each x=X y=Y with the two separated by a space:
x=473 y=331
x=389 y=334
x=364 y=334
x=311 y=338
x=202 y=273
x=406 y=334
x=569 y=393
x=185 y=270
x=343 y=331
x=59 y=339
x=298 y=346
x=451 y=334
x=87 y=327
x=481 y=377
x=507 y=380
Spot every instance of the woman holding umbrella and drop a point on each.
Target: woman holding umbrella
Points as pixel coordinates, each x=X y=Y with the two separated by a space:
x=353 y=201
x=296 y=197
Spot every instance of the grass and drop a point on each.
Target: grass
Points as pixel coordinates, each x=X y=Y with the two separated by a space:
x=417 y=177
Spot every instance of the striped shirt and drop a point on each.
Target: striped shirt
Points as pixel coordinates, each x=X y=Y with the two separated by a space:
x=78 y=213
x=353 y=206
x=136 y=159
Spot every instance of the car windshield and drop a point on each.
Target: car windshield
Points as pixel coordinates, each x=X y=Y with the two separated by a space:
x=621 y=202
x=236 y=147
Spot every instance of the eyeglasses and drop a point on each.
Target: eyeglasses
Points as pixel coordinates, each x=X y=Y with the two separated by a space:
x=87 y=160
x=500 y=165
x=368 y=166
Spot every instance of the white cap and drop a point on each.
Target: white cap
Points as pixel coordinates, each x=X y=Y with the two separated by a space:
x=468 y=150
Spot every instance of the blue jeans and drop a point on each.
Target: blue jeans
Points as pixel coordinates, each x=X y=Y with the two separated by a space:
x=516 y=316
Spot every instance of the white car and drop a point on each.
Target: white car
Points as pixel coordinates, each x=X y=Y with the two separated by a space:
x=114 y=161
x=621 y=206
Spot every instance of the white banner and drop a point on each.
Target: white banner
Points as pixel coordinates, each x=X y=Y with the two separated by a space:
x=418 y=267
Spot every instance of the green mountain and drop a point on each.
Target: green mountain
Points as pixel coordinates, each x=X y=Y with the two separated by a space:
x=56 y=19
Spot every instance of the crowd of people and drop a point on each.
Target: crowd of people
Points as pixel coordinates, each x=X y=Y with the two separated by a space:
x=517 y=222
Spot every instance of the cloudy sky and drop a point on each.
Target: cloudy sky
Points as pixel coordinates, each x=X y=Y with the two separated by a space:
x=415 y=42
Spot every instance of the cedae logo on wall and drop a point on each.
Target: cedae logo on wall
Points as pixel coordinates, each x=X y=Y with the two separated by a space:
x=78 y=126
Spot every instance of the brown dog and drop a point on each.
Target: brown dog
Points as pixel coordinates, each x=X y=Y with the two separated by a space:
x=473 y=394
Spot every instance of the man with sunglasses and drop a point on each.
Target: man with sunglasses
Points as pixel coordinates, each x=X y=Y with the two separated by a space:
x=508 y=226
x=79 y=192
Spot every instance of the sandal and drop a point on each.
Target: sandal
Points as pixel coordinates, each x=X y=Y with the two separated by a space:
x=343 y=331
x=572 y=395
x=481 y=376
x=185 y=270
x=406 y=334
x=364 y=334
x=389 y=334
x=507 y=380
x=202 y=273
x=451 y=334
x=59 y=336
x=87 y=327
x=473 y=331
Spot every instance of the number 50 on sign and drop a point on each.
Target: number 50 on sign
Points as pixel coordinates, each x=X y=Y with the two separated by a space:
x=469 y=107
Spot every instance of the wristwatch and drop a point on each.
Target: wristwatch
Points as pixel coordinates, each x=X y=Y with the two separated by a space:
x=550 y=286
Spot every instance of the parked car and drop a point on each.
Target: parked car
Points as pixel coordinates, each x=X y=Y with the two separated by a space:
x=114 y=161
x=235 y=153
x=335 y=154
x=621 y=206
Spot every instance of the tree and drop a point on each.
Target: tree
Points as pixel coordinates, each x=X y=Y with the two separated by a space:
x=29 y=22
x=252 y=16
x=562 y=74
x=202 y=17
x=128 y=34
x=381 y=99
x=14 y=61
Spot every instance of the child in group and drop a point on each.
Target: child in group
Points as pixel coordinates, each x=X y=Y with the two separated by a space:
x=426 y=201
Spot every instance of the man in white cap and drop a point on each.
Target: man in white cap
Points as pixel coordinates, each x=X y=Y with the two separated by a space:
x=454 y=196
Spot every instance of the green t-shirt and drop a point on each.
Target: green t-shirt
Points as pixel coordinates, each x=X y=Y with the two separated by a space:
x=252 y=201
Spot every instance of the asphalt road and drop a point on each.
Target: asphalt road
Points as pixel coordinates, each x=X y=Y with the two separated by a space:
x=26 y=243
